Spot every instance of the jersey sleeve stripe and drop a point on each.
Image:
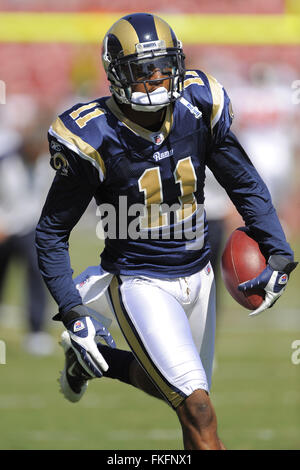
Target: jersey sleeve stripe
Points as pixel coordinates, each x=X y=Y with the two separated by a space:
x=77 y=145
x=75 y=114
x=217 y=94
x=193 y=73
x=193 y=81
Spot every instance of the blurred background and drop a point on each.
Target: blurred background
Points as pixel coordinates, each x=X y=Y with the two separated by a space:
x=49 y=60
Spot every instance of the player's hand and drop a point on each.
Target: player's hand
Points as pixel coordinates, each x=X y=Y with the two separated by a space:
x=83 y=331
x=273 y=280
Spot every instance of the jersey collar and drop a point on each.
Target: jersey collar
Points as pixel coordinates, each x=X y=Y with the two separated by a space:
x=155 y=137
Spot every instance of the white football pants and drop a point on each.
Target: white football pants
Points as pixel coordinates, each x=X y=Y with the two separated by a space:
x=169 y=324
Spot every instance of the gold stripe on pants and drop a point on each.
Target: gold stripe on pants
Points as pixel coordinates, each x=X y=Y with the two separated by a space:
x=134 y=341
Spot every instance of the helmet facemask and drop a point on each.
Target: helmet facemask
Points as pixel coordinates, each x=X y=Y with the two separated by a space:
x=136 y=70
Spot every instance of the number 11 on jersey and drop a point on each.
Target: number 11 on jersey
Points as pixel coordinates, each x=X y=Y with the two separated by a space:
x=151 y=184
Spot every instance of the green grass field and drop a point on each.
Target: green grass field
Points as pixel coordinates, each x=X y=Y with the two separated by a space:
x=255 y=387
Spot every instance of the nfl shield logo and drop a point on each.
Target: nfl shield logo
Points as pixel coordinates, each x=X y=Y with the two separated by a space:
x=157 y=138
x=208 y=269
x=283 y=279
x=79 y=325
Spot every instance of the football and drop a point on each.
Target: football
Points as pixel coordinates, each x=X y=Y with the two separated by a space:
x=241 y=261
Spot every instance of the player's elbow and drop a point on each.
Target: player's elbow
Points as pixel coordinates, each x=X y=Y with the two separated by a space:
x=40 y=238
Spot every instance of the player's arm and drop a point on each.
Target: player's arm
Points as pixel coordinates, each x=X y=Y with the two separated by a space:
x=67 y=200
x=235 y=172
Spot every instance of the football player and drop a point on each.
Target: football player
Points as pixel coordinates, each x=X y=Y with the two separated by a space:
x=141 y=153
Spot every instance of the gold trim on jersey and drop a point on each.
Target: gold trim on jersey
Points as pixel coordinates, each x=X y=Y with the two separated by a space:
x=193 y=81
x=82 y=121
x=217 y=94
x=78 y=145
x=173 y=397
x=127 y=36
x=163 y=31
x=75 y=114
x=192 y=72
x=138 y=130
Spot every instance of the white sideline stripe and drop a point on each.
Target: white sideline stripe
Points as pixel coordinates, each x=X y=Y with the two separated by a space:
x=154 y=435
x=266 y=434
x=45 y=436
x=20 y=402
x=289 y=399
x=96 y=401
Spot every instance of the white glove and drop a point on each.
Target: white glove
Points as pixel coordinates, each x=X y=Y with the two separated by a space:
x=83 y=331
x=273 y=281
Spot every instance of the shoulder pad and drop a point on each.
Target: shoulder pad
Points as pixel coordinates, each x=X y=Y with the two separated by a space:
x=76 y=130
x=208 y=92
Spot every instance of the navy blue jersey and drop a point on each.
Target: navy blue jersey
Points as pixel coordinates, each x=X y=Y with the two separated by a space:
x=149 y=187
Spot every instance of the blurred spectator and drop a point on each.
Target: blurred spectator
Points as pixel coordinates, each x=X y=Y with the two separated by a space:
x=265 y=117
x=25 y=177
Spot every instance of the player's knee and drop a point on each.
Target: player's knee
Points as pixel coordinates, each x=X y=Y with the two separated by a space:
x=197 y=411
